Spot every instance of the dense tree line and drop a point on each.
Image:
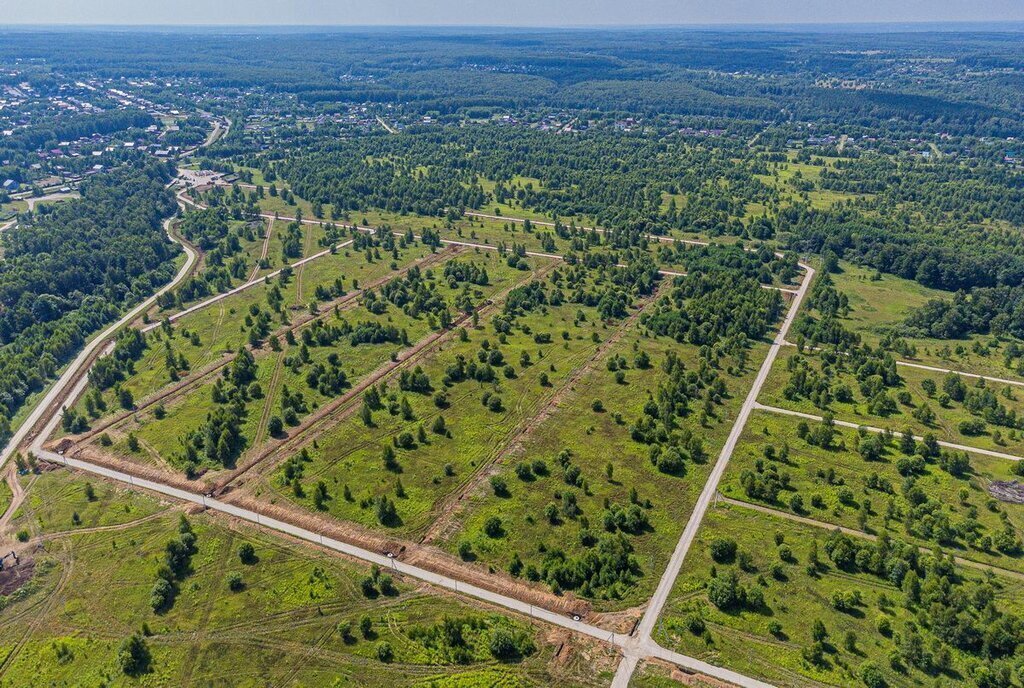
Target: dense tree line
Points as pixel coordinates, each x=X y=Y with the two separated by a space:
x=71 y=268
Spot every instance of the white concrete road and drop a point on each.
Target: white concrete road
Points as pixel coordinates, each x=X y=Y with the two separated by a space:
x=973 y=376
x=642 y=637
x=871 y=428
x=632 y=651
x=936 y=369
x=379 y=558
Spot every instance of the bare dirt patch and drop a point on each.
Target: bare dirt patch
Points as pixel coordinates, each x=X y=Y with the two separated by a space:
x=13 y=576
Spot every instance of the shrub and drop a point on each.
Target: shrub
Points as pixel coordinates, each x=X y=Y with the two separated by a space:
x=275 y=426
x=723 y=550
x=725 y=592
x=499 y=486
x=871 y=675
x=493 y=527
x=133 y=657
x=247 y=553
x=160 y=596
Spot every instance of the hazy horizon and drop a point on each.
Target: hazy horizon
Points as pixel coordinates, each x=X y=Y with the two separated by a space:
x=520 y=14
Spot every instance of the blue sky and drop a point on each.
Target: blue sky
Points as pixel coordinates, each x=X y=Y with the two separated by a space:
x=504 y=12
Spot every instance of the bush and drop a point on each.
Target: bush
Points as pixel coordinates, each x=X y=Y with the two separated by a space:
x=160 y=596
x=499 y=486
x=971 y=427
x=133 y=657
x=275 y=426
x=871 y=675
x=235 y=582
x=384 y=652
x=725 y=592
x=493 y=527
x=723 y=550
x=247 y=553
x=506 y=646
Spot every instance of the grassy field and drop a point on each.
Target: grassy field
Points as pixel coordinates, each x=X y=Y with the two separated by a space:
x=796 y=181
x=350 y=454
x=159 y=437
x=595 y=441
x=767 y=642
x=287 y=616
x=219 y=328
x=5 y=496
x=838 y=486
x=880 y=303
x=52 y=502
x=947 y=421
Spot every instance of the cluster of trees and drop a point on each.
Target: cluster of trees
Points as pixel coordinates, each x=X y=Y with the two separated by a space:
x=972 y=193
x=671 y=446
x=942 y=256
x=614 y=178
x=715 y=309
x=458 y=639
x=219 y=438
x=983 y=310
x=952 y=614
x=961 y=613
x=416 y=294
x=893 y=493
x=177 y=565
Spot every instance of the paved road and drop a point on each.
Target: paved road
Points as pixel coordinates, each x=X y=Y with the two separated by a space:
x=642 y=637
x=935 y=369
x=379 y=558
x=622 y=641
x=59 y=387
x=33 y=200
x=973 y=376
x=869 y=428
